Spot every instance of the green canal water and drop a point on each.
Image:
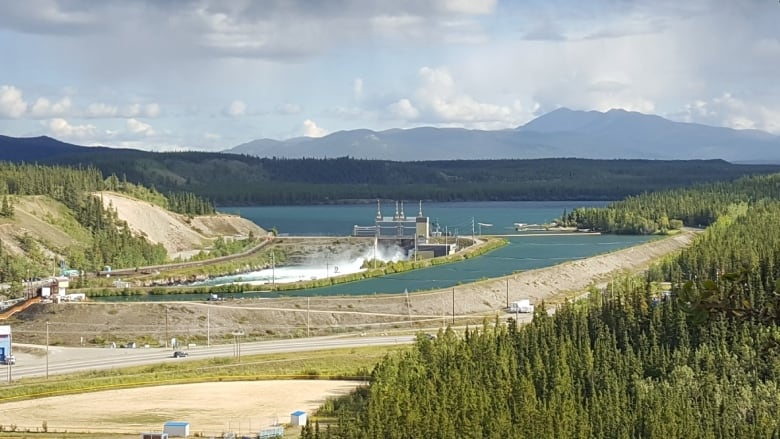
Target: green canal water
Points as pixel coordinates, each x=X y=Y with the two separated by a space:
x=524 y=252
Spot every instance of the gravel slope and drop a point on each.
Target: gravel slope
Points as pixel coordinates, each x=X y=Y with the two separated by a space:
x=180 y=235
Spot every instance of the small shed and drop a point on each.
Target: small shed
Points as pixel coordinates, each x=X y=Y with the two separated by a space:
x=298 y=418
x=177 y=428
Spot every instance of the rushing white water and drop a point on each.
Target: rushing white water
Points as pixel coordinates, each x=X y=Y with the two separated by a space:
x=319 y=267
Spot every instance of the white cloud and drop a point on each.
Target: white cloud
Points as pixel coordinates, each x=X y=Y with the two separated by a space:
x=137 y=127
x=152 y=109
x=45 y=16
x=288 y=109
x=131 y=110
x=352 y=63
x=404 y=109
x=733 y=112
x=236 y=109
x=144 y=110
x=357 y=88
x=61 y=129
x=12 y=104
x=44 y=109
x=99 y=110
x=475 y=7
x=310 y=129
x=439 y=100
x=392 y=26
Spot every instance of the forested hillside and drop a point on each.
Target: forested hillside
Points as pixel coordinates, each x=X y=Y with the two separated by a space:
x=101 y=238
x=633 y=360
x=230 y=179
x=661 y=211
x=240 y=180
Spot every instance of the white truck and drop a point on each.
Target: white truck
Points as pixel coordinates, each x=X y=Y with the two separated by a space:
x=521 y=306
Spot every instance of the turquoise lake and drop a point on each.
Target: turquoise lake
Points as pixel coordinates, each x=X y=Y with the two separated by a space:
x=457 y=218
x=524 y=252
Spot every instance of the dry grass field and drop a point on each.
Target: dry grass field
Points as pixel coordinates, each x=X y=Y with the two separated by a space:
x=210 y=408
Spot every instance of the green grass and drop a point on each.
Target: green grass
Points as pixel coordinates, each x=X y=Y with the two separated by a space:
x=354 y=363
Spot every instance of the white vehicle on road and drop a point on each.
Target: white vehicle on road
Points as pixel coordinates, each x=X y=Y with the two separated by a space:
x=521 y=306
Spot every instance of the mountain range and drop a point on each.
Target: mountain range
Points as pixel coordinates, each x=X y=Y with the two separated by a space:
x=563 y=133
x=615 y=134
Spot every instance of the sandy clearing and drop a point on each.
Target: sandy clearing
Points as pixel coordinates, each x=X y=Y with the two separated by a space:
x=210 y=408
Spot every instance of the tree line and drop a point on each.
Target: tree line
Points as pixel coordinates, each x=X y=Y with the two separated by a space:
x=233 y=179
x=659 y=212
x=690 y=349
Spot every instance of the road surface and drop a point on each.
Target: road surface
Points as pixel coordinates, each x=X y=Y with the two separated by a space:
x=31 y=359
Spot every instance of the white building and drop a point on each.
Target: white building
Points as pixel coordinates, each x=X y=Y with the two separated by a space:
x=298 y=418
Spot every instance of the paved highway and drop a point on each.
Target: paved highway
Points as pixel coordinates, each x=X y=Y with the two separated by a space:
x=31 y=359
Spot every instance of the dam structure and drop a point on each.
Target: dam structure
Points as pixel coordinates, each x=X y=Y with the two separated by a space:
x=412 y=233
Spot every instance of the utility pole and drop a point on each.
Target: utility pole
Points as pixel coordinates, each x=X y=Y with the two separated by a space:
x=273 y=270
x=507 y=292
x=208 y=327
x=166 y=326
x=453 y=306
x=408 y=305
x=47 y=350
x=237 y=344
x=443 y=313
x=308 y=304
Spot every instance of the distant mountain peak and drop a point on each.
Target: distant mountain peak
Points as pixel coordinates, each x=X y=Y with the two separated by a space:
x=613 y=134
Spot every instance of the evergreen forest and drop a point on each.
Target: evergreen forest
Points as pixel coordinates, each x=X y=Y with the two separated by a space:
x=242 y=180
x=689 y=350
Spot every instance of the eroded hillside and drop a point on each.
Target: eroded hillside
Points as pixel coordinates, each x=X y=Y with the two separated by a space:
x=181 y=235
x=45 y=226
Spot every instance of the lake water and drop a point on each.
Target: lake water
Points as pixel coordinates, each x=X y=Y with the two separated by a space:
x=456 y=218
x=524 y=252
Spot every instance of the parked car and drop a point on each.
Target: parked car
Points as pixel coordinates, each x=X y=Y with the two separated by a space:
x=179 y=354
x=9 y=360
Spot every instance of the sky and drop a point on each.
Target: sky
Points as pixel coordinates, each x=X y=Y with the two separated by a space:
x=165 y=75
